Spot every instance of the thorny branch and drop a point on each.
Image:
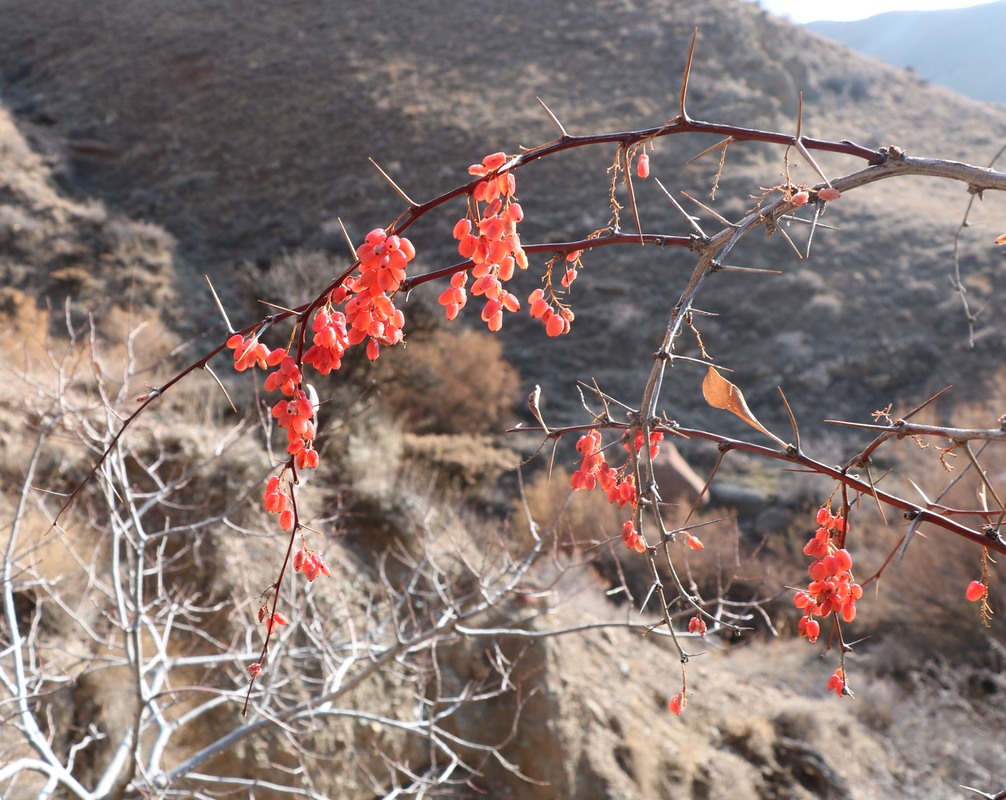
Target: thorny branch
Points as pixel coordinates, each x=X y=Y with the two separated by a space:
x=143 y=619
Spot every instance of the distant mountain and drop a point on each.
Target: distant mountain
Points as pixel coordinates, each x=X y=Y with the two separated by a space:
x=960 y=48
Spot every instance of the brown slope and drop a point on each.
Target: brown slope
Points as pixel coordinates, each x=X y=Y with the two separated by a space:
x=244 y=129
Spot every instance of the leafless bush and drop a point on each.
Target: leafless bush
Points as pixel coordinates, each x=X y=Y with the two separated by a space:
x=127 y=629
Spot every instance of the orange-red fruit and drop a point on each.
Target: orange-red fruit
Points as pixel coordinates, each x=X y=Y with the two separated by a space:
x=677 y=703
x=697 y=625
x=975 y=591
x=494 y=161
x=836 y=683
x=643 y=166
x=310 y=569
x=828 y=194
x=810 y=628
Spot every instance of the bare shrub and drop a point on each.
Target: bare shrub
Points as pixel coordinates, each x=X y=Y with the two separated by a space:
x=451 y=381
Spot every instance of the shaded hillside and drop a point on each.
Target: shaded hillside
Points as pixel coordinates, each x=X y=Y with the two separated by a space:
x=959 y=48
x=244 y=128
x=54 y=249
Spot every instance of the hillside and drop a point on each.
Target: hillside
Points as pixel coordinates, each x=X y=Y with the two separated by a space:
x=244 y=131
x=958 y=48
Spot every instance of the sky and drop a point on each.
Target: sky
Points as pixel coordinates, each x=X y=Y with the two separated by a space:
x=802 y=11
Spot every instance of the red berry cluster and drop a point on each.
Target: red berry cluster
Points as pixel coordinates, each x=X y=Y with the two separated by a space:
x=632 y=538
x=573 y=259
x=287 y=378
x=310 y=564
x=330 y=341
x=454 y=297
x=276 y=501
x=832 y=589
x=370 y=312
x=595 y=472
x=250 y=353
x=297 y=415
x=557 y=317
x=488 y=236
x=272 y=621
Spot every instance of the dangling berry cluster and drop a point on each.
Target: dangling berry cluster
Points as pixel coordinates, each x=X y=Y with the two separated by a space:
x=272 y=621
x=832 y=589
x=297 y=416
x=488 y=236
x=310 y=564
x=276 y=501
x=370 y=312
x=250 y=353
x=557 y=318
x=632 y=538
x=595 y=472
x=330 y=341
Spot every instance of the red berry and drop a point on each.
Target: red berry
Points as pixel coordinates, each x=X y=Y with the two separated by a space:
x=643 y=166
x=975 y=591
x=836 y=683
x=310 y=569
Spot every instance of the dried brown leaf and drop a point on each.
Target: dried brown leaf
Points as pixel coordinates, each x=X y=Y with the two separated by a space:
x=721 y=393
